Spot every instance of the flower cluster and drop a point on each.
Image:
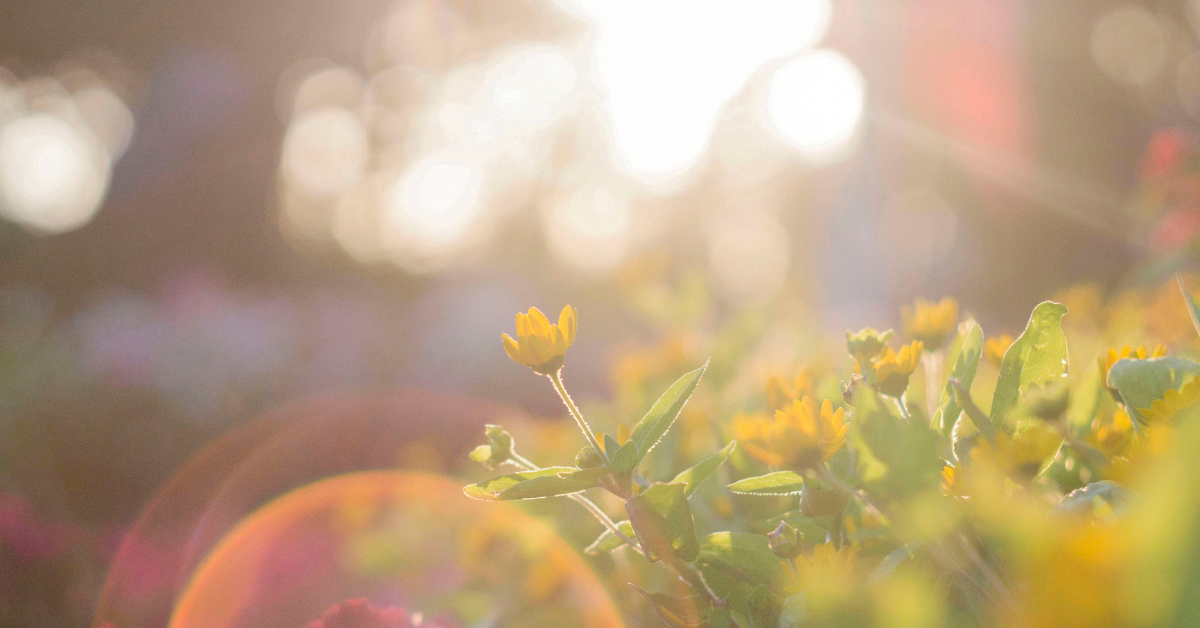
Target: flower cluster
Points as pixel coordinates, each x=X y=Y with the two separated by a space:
x=1007 y=490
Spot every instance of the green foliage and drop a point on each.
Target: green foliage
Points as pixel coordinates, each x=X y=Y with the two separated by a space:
x=897 y=458
x=663 y=522
x=742 y=556
x=607 y=541
x=694 y=475
x=964 y=371
x=547 y=482
x=662 y=414
x=1038 y=356
x=1142 y=382
x=763 y=608
x=777 y=483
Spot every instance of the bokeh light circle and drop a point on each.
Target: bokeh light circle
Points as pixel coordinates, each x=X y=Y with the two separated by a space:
x=430 y=208
x=53 y=174
x=1130 y=45
x=325 y=151
x=815 y=103
x=397 y=538
x=589 y=229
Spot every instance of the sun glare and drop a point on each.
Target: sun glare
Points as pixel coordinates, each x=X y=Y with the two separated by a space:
x=815 y=104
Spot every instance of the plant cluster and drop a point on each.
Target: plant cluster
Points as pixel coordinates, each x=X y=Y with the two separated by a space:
x=1010 y=491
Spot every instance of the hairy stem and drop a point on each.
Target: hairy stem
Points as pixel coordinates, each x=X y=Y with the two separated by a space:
x=556 y=379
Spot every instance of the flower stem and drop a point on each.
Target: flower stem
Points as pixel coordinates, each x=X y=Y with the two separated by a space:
x=556 y=379
x=525 y=464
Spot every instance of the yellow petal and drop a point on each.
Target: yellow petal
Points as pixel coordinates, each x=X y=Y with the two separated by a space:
x=523 y=327
x=539 y=322
x=511 y=348
x=567 y=321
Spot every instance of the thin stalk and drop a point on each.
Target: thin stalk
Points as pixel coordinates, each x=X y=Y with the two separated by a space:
x=589 y=505
x=556 y=379
x=904 y=413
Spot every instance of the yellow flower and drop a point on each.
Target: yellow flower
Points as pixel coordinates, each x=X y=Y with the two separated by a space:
x=539 y=344
x=952 y=482
x=780 y=392
x=1111 y=356
x=1163 y=410
x=799 y=436
x=1112 y=438
x=931 y=322
x=994 y=348
x=832 y=584
x=1021 y=455
x=893 y=369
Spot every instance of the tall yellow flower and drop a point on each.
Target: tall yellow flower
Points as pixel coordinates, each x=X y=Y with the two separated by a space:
x=1110 y=357
x=541 y=345
x=995 y=347
x=1163 y=410
x=1021 y=455
x=798 y=437
x=930 y=322
x=893 y=369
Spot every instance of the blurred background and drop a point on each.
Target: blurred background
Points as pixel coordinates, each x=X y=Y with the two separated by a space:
x=211 y=209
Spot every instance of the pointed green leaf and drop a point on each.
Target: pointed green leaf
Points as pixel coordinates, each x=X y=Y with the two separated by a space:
x=658 y=420
x=889 y=563
x=626 y=458
x=692 y=477
x=1142 y=382
x=777 y=483
x=547 y=482
x=1039 y=356
x=747 y=557
x=607 y=541
x=610 y=445
x=964 y=371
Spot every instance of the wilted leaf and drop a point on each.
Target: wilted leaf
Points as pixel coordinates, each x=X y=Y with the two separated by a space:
x=1039 y=356
x=1083 y=500
x=1142 y=382
x=964 y=371
x=693 y=476
x=777 y=483
x=662 y=414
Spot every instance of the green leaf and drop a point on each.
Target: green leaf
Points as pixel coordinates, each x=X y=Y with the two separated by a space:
x=1193 y=309
x=747 y=557
x=662 y=520
x=964 y=371
x=1083 y=500
x=1039 y=356
x=896 y=458
x=658 y=420
x=795 y=611
x=682 y=612
x=693 y=476
x=610 y=445
x=626 y=458
x=777 y=483
x=546 y=482
x=763 y=608
x=1142 y=382
x=607 y=541
x=1086 y=397
x=889 y=564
